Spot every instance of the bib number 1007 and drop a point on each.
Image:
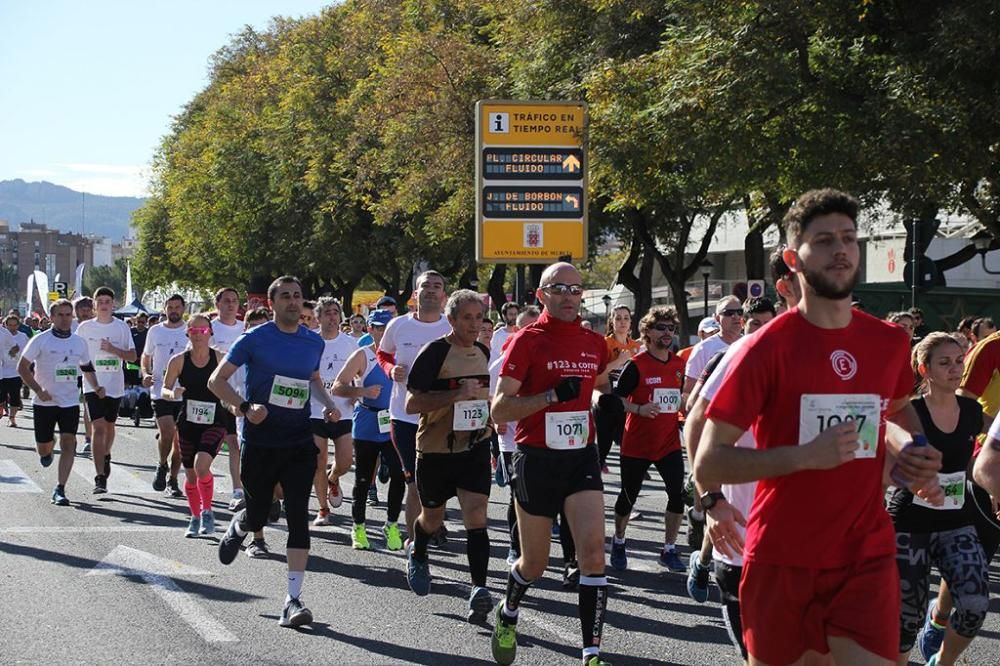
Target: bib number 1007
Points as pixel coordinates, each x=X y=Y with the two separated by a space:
x=819 y=412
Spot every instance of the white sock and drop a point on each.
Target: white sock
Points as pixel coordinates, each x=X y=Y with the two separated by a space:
x=295 y=584
x=697 y=515
x=668 y=547
x=621 y=540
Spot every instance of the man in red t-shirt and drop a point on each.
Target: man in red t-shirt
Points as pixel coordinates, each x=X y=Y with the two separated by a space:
x=650 y=387
x=547 y=379
x=815 y=387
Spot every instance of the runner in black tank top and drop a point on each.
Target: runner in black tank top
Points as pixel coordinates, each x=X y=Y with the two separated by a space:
x=201 y=426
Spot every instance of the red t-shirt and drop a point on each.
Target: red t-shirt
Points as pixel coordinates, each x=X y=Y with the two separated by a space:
x=540 y=356
x=820 y=519
x=651 y=439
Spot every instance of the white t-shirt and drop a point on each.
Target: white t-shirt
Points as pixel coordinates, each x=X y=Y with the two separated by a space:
x=18 y=340
x=404 y=337
x=496 y=344
x=107 y=366
x=506 y=440
x=702 y=354
x=57 y=365
x=224 y=335
x=335 y=355
x=740 y=495
x=162 y=343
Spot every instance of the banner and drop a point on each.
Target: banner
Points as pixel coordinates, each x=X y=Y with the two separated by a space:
x=42 y=284
x=78 y=283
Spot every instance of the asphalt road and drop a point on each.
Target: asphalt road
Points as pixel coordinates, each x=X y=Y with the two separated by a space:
x=112 y=578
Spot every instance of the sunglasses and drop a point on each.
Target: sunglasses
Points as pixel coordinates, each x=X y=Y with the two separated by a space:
x=664 y=327
x=204 y=330
x=560 y=289
x=732 y=312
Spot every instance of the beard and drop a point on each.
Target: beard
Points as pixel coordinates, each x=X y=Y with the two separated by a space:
x=825 y=288
x=173 y=317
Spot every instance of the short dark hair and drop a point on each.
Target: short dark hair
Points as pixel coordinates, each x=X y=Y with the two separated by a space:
x=426 y=274
x=967 y=322
x=61 y=303
x=219 y=293
x=977 y=325
x=916 y=312
x=85 y=302
x=104 y=291
x=811 y=205
x=758 y=304
x=284 y=279
x=507 y=306
x=177 y=297
x=779 y=269
x=309 y=305
x=257 y=314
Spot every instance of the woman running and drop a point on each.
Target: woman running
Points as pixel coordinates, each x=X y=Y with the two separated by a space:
x=609 y=416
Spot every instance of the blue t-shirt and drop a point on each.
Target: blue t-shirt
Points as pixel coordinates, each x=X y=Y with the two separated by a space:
x=278 y=368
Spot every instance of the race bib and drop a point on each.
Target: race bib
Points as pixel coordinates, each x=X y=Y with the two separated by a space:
x=384 y=421
x=200 y=412
x=107 y=363
x=818 y=412
x=567 y=430
x=470 y=415
x=67 y=372
x=953 y=486
x=669 y=400
x=289 y=393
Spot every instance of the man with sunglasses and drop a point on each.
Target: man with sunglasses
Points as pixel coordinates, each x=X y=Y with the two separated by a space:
x=650 y=389
x=728 y=313
x=549 y=373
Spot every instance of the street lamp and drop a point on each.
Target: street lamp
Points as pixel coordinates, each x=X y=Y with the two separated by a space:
x=606 y=298
x=706 y=270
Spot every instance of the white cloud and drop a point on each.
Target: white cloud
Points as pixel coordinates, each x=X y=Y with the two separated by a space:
x=113 y=180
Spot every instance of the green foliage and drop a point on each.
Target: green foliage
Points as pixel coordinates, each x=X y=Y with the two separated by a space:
x=109 y=276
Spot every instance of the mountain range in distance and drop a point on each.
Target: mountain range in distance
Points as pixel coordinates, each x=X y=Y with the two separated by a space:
x=67 y=210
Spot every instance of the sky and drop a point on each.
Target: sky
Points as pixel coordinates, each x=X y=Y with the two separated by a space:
x=88 y=89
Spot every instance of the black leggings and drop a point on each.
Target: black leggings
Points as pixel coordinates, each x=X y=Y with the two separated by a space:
x=261 y=469
x=609 y=422
x=366 y=458
x=633 y=472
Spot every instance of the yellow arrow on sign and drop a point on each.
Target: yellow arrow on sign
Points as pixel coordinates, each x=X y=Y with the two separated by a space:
x=572 y=200
x=571 y=163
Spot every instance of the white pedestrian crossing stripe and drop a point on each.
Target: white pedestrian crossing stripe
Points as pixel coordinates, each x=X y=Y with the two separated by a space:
x=14 y=480
x=125 y=482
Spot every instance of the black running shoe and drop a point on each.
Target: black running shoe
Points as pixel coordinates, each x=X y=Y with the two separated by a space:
x=294 y=614
x=229 y=545
x=173 y=490
x=100 y=484
x=275 y=513
x=160 y=480
x=571 y=575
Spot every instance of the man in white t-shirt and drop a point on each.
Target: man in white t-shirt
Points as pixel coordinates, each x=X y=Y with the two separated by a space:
x=59 y=358
x=163 y=341
x=109 y=343
x=10 y=383
x=225 y=329
x=404 y=337
x=729 y=314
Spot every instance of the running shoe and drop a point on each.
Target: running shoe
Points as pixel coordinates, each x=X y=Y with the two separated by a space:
x=619 y=558
x=294 y=614
x=696 y=530
x=230 y=543
x=418 y=574
x=59 y=497
x=237 y=501
x=440 y=537
x=207 y=523
x=45 y=460
x=107 y=466
x=671 y=560
x=322 y=518
x=512 y=556
x=159 y=481
x=174 y=490
x=100 y=484
x=334 y=496
x=930 y=638
x=86 y=445
x=359 y=538
x=480 y=605
x=571 y=575
x=595 y=660
x=257 y=550
x=393 y=539
x=933 y=661
x=194 y=524
x=372 y=495
x=383 y=473
x=275 y=513
x=504 y=640
x=500 y=475
x=697 y=579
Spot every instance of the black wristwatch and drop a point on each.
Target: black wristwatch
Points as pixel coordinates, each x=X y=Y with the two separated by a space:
x=244 y=407
x=709 y=500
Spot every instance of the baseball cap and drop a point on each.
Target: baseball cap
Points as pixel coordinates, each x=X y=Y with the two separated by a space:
x=379 y=317
x=385 y=300
x=708 y=324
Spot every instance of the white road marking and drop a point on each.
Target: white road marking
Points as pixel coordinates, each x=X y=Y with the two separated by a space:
x=75 y=529
x=14 y=480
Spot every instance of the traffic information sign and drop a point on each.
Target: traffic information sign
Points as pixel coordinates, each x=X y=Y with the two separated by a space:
x=531 y=176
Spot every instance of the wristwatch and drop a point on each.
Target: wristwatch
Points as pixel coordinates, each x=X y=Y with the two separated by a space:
x=244 y=407
x=709 y=500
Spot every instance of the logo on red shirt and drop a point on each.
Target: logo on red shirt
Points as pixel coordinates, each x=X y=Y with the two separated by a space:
x=844 y=364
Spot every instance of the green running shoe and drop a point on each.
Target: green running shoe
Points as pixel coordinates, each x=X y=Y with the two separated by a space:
x=596 y=661
x=359 y=538
x=393 y=540
x=504 y=641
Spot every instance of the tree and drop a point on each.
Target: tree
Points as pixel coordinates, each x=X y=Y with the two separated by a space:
x=113 y=276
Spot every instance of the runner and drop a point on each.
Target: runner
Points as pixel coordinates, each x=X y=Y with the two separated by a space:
x=363 y=381
x=109 y=342
x=308 y=316
x=225 y=329
x=10 y=383
x=404 y=337
x=650 y=390
x=338 y=347
x=825 y=495
x=59 y=358
x=509 y=312
x=546 y=383
x=609 y=415
x=201 y=425
x=728 y=313
x=282 y=360
x=448 y=387
x=164 y=341
x=942 y=535
x=83 y=309
x=357 y=326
